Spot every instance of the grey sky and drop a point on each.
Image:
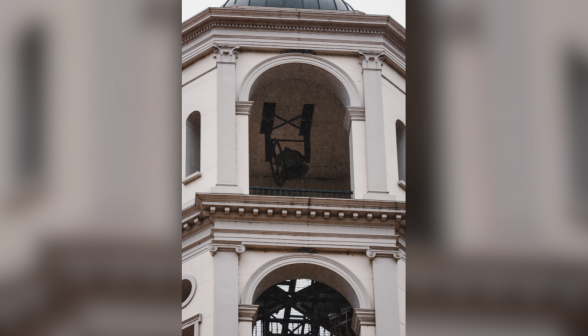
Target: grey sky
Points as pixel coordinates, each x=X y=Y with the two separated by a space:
x=394 y=8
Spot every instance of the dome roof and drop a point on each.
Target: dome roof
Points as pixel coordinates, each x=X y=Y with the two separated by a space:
x=306 y=4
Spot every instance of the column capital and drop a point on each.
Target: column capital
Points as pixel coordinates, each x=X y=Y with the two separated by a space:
x=377 y=253
x=225 y=54
x=353 y=113
x=248 y=313
x=371 y=60
x=237 y=248
x=243 y=107
x=361 y=318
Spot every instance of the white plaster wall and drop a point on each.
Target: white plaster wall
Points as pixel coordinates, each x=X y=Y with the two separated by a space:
x=200 y=95
x=202 y=269
x=402 y=295
x=197 y=68
x=360 y=265
x=394 y=109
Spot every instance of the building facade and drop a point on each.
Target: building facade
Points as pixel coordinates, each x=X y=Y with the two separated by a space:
x=294 y=213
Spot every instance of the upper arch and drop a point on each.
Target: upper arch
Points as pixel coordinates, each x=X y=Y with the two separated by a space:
x=352 y=92
x=310 y=266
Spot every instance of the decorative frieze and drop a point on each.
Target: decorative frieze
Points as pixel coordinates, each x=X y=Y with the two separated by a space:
x=214 y=248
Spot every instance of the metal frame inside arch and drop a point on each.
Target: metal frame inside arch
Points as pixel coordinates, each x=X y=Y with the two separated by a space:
x=348 y=6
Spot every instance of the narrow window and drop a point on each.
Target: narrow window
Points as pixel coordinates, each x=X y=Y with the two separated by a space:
x=193 y=143
x=401 y=149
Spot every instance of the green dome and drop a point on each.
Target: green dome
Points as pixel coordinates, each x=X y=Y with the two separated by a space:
x=306 y=4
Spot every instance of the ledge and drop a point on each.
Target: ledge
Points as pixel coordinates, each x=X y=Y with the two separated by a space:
x=191 y=178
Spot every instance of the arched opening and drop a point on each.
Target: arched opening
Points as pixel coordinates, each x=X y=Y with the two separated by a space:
x=303 y=307
x=401 y=149
x=193 y=143
x=300 y=107
x=310 y=266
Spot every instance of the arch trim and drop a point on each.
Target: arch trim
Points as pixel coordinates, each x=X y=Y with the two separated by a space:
x=332 y=68
x=306 y=258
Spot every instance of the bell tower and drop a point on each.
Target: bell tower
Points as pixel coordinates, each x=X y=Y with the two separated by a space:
x=295 y=222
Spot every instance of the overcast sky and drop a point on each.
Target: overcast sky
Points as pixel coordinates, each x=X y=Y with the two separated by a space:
x=394 y=8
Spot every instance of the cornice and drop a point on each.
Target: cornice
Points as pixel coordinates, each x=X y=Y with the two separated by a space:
x=255 y=14
x=274 y=19
x=255 y=208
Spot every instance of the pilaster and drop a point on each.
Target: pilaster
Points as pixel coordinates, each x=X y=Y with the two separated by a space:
x=354 y=122
x=226 y=122
x=377 y=187
x=242 y=109
x=226 y=288
x=386 y=290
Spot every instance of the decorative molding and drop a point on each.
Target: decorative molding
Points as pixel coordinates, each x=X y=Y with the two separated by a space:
x=378 y=253
x=361 y=293
x=248 y=313
x=195 y=321
x=332 y=68
x=243 y=107
x=214 y=248
x=353 y=113
x=257 y=206
x=260 y=28
x=191 y=178
x=194 y=35
x=192 y=291
x=362 y=318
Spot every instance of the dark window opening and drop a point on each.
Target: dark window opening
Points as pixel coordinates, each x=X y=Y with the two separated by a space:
x=193 y=143
x=303 y=307
x=401 y=149
x=186 y=289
